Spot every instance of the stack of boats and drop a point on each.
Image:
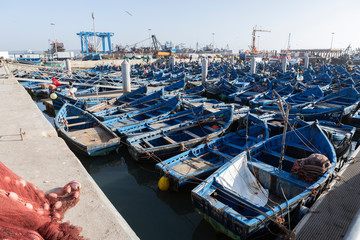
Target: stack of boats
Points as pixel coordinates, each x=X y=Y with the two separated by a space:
x=242 y=161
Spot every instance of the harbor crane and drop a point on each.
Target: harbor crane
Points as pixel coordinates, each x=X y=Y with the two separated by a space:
x=253 y=48
x=159 y=50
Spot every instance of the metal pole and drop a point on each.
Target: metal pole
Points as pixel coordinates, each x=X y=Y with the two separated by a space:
x=93 y=17
x=332 y=38
x=55 y=42
x=213 y=34
x=149 y=37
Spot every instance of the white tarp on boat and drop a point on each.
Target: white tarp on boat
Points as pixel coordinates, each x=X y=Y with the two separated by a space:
x=239 y=179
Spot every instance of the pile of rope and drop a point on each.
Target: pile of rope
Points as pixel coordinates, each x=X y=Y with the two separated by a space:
x=311 y=168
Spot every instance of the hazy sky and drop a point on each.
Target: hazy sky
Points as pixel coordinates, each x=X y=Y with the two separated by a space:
x=26 y=24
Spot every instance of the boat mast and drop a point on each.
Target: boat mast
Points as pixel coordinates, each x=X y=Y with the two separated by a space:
x=93 y=18
x=285 y=117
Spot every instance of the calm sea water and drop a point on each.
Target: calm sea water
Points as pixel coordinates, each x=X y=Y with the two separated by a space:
x=151 y=213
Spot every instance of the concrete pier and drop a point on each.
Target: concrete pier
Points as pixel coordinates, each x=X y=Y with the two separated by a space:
x=44 y=159
x=333 y=213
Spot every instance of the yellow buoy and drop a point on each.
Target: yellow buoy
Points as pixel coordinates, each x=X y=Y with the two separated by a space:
x=53 y=96
x=164 y=183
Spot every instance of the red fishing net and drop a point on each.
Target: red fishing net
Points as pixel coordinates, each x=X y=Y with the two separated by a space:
x=28 y=213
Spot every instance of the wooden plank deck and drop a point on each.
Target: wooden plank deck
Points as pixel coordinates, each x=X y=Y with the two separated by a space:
x=91 y=135
x=192 y=165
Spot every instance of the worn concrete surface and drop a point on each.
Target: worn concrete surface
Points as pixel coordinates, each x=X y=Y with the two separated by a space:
x=44 y=159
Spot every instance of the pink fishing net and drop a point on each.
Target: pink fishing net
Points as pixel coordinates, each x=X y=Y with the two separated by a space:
x=28 y=213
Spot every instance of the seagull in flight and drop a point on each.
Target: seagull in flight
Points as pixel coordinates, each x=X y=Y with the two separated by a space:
x=128 y=13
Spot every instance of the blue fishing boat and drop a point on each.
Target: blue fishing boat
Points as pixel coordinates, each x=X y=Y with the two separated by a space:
x=332 y=107
x=199 y=162
x=167 y=142
x=194 y=90
x=126 y=98
x=139 y=117
x=221 y=88
x=307 y=96
x=323 y=81
x=31 y=61
x=81 y=102
x=354 y=119
x=348 y=98
x=159 y=122
x=142 y=103
x=340 y=136
x=269 y=97
x=212 y=104
x=251 y=92
x=84 y=133
x=311 y=114
x=175 y=87
x=253 y=192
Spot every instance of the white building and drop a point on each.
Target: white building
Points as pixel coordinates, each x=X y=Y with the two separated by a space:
x=4 y=54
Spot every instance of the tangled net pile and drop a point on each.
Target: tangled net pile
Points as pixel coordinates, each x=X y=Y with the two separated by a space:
x=311 y=168
x=28 y=213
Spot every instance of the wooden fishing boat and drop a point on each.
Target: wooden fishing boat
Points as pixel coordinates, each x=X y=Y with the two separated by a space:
x=137 y=118
x=81 y=102
x=167 y=142
x=332 y=107
x=250 y=92
x=129 y=97
x=340 y=136
x=175 y=87
x=212 y=105
x=194 y=90
x=354 y=119
x=84 y=133
x=307 y=96
x=199 y=162
x=348 y=98
x=267 y=98
x=159 y=122
x=311 y=114
x=323 y=81
x=253 y=193
x=142 y=103
x=221 y=88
